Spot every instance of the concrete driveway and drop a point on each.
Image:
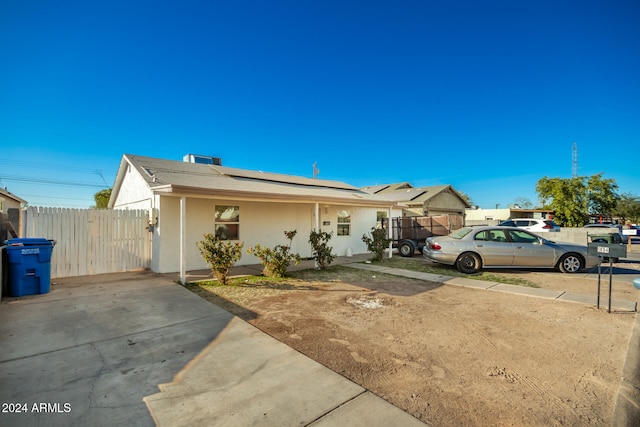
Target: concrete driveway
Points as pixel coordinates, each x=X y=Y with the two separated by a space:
x=137 y=349
x=94 y=350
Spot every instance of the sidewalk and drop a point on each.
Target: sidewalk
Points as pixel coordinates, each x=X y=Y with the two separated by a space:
x=247 y=378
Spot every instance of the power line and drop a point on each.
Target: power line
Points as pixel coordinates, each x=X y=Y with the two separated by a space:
x=33 y=180
x=52 y=197
x=49 y=166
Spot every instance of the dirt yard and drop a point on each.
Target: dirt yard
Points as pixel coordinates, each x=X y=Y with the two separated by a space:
x=449 y=355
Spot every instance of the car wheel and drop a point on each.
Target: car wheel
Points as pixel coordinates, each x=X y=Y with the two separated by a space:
x=571 y=263
x=406 y=249
x=468 y=263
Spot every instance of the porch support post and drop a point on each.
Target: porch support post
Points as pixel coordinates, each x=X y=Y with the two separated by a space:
x=183 y=240
x=389 y=232
x=317 y=226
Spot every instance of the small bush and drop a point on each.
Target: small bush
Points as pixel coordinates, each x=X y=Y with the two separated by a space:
x=276 y=261
x=221 y=255
x=320 y=249
x=377 y=242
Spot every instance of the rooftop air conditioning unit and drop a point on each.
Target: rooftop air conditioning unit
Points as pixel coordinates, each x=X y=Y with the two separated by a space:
x=205 y=160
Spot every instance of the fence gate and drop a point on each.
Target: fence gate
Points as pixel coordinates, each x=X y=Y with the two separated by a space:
x=90 y=241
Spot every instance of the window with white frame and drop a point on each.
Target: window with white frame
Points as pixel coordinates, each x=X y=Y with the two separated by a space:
x=344 y=223
x=227 y=222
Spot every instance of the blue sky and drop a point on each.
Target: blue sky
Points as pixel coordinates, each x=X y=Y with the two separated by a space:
x=486 y=96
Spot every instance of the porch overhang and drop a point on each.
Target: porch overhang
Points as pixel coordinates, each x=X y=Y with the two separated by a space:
x=254 y=196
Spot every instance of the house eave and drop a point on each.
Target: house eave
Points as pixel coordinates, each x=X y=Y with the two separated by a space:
x=177 y=191
x=117 y=184
x=9 y=195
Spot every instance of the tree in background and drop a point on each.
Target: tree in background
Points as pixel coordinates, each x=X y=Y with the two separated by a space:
x=102 y=198
x=628 y=208
x=574 y=199
x=602 y=195
x=522 y=202
x=567 y=198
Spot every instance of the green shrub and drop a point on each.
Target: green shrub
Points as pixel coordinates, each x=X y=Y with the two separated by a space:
x=221 y=255
x=320 y=248
x=276 y=261
x=377 y=242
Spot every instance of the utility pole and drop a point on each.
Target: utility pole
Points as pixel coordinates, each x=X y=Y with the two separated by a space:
x=574 y=160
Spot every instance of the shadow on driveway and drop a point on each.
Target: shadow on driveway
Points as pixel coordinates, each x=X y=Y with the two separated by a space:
x=88 y=352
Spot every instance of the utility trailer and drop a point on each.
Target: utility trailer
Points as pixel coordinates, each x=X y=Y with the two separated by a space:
x=410 y=232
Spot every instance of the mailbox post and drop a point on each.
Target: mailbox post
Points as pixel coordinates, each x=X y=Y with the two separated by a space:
x=610 y=251
x=629 y=233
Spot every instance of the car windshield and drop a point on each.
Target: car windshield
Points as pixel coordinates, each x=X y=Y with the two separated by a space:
x=460 y=233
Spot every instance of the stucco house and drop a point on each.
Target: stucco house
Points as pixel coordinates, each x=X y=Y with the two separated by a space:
x=10 y=206
x=187 y=199
x=8 y=200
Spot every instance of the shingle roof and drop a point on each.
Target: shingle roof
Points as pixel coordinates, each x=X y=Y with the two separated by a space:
x=387 y=188
x=170 y=176
x=404 y=193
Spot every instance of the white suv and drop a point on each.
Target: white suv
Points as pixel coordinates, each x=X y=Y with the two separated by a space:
x=531 y=224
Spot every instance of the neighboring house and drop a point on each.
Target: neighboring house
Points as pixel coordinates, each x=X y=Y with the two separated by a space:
x=198 y=195
x=494 y=216
x=10 y=206
x=422 y=201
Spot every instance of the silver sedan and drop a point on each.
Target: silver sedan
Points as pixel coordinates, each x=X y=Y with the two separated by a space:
x=473 y=248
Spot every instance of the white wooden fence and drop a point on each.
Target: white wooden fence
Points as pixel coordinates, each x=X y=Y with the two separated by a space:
x=90 y=241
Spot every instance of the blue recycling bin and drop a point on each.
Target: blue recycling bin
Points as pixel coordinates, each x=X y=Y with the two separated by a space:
x=29 y=266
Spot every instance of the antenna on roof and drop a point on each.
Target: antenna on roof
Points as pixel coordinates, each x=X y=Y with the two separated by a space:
x=316 y=171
